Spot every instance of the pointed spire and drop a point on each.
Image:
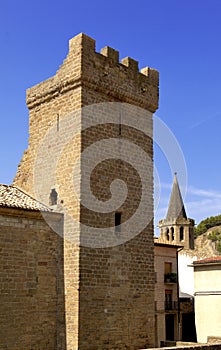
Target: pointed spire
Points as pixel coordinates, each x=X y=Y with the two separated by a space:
x=176 y=208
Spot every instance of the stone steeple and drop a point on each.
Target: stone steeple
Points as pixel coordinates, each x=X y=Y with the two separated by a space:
x=177 y=228
x=176 y=209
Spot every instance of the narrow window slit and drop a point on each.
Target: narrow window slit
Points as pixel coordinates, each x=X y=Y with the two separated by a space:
x=58 y=122
x=117 y=222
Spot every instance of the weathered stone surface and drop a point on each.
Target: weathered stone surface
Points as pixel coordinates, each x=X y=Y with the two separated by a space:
x=109 y=292
x=31 y=282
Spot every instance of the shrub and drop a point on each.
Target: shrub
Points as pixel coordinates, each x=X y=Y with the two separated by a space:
x=204 y=225
x=215 y=236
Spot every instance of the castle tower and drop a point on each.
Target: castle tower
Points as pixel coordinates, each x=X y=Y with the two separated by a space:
x=109 y=279
x=177 y=228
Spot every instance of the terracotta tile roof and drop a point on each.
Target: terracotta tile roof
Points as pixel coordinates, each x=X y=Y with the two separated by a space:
x=213 y=259
x=13 y=197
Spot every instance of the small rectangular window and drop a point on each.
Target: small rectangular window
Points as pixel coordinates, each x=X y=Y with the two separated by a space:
x=167 y=267
x=168 y=300
x=117 y=222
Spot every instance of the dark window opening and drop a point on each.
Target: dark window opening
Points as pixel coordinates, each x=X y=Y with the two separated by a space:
x=172 y=233
x=181 y=233
x=167 y=234
x=168 y=299
x=53 y=197
x=169 y=319
x=117 y=222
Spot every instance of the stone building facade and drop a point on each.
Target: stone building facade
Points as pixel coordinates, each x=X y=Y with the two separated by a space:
x=166 y=292
x=109 y=287
x=32 y=308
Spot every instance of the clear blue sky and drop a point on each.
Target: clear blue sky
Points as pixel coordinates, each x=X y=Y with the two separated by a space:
x=180 y=38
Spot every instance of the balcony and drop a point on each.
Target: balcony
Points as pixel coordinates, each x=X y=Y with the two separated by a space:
x=171 y=305
x=170 y=278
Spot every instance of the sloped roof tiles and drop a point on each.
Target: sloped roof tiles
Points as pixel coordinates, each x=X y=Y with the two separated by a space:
x=213 y=259
x=14 y=197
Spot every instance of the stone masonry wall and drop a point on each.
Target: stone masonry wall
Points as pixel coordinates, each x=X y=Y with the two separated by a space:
x=31 y=284
x=109 y=291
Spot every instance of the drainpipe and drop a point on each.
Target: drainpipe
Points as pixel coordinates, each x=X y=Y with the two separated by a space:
x=178 y=289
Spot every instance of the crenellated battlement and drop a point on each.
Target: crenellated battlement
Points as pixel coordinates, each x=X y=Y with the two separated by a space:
x=110 y=53
x=102 y=72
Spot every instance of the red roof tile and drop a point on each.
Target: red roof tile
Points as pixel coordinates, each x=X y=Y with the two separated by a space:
x=212 y=259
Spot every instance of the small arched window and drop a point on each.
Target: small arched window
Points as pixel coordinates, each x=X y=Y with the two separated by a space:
x=172 y=233
x=53 y=199
x=167 y=234
x=181 y=234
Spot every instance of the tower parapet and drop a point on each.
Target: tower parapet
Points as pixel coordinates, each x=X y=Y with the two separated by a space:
x=102 y=72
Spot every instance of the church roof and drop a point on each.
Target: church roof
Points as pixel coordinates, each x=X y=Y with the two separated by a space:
x=176 y=208
x=13 y=197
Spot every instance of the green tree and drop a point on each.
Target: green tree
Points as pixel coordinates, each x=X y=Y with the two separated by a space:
x=204 y=225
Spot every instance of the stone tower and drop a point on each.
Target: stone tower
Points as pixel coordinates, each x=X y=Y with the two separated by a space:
x=109 y=287
x=177 y=228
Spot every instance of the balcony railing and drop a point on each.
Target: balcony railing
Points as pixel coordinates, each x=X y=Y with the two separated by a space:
x=170 y=278
x=171 y=305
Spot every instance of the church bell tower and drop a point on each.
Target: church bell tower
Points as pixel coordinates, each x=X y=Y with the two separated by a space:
x=176 y=227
